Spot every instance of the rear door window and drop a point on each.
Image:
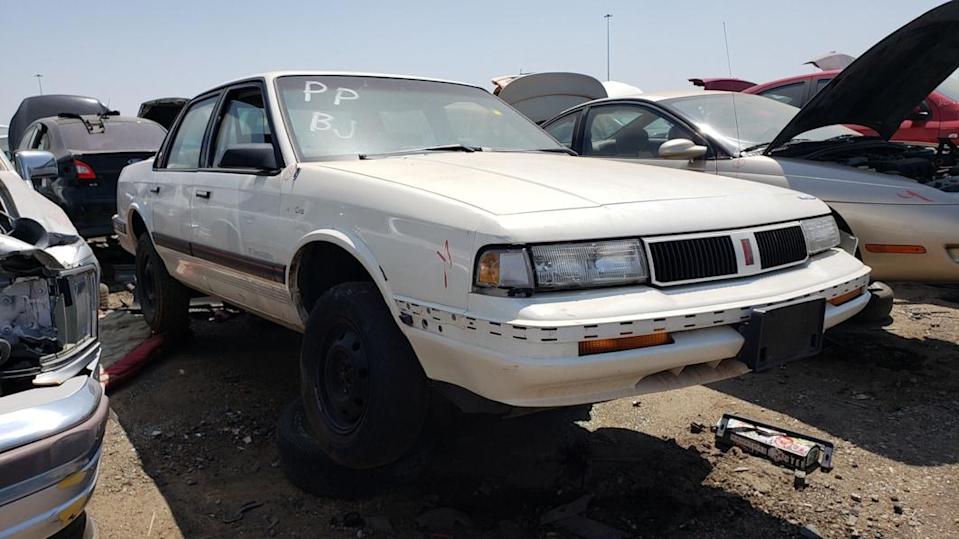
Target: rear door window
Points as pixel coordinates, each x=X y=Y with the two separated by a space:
x=184 y=152
x=790 y=94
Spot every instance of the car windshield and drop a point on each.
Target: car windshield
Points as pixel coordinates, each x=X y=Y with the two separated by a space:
x=746 y=121
x=950 y=87
x=335 y=116
x=140 y=135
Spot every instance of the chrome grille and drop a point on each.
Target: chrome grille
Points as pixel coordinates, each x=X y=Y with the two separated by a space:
x=781 y=246
x=696 y=258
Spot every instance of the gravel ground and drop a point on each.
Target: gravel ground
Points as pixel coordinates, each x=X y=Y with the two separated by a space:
x=191 y=443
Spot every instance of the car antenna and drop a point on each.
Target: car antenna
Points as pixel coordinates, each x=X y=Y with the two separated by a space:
x=729 y=67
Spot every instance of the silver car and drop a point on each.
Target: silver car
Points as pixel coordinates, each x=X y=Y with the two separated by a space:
x=52 y=408
x=898 y=200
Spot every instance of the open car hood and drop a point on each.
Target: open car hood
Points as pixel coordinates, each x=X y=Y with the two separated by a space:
x=162 y=111
x=42 y=106
x=880 y=88
x=540 y=96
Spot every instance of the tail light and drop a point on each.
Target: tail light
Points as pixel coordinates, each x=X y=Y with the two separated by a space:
x=84 y=171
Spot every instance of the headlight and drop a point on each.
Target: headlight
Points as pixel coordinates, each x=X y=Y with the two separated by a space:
x=585 y=265
x=821 y=233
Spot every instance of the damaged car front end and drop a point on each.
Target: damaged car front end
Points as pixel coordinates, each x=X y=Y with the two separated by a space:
x=52 y=407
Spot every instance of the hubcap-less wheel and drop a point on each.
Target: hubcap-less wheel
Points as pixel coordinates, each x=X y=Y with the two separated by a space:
x=345 y=384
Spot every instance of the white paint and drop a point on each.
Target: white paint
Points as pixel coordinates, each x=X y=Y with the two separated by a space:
x=345 y=94
x=312 y=87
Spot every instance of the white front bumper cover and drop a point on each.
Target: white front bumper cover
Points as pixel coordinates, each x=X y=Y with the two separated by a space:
x=526 y=353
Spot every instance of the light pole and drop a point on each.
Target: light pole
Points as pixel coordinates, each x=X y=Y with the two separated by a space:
x=40 y=84
x=607 y=17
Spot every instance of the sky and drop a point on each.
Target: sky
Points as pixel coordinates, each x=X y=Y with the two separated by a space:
x=126 y=52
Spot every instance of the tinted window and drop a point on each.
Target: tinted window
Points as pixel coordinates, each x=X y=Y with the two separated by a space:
x=331 y=116
x=140 y=135
x=790 y=94
x=820 y=84
x=244 y=122
x=563 y=129
x=629 y=131
x=185 y=149
x=28 y=138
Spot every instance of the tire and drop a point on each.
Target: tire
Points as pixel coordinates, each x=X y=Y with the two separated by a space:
x=365 y=396
x=879 y=308
x=164 y=301
x=306 y=465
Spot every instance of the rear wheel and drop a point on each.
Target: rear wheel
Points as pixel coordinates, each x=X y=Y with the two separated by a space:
x=365 y=395
x=164 y=301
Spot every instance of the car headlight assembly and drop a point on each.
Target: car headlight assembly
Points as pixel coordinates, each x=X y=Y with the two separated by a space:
x=821 y=234
x=563 y=266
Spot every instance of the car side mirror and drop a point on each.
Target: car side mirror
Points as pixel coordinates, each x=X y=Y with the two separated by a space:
x=35 y=165
x=257 y=156
x=681 y=148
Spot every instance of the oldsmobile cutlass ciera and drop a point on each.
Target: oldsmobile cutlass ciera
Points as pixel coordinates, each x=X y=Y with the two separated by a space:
x=425 y=237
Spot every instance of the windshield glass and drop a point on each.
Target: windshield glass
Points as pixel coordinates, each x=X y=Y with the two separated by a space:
x=745 y=120
x=332 y=116
x=950 y=87
x=138 y=135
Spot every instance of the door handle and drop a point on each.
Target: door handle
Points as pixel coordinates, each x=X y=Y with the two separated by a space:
x=155 y=189
x=202 y=194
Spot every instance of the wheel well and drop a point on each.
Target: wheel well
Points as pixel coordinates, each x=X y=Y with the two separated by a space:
x=137 y=225
x=320 y=266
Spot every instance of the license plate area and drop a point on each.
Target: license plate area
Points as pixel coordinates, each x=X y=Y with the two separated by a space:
x=778 y=335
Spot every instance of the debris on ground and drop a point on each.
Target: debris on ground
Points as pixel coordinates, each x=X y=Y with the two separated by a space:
x=238 y=516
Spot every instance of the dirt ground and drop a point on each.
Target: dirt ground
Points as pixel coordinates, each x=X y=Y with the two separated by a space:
x=191 y=443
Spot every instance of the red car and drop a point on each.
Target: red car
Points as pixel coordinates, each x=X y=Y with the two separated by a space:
x=936 y=118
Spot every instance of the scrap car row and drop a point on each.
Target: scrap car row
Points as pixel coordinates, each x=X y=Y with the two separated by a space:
x=430 y=241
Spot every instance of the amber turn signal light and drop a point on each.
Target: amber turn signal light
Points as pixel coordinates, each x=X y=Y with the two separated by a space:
x=843 y=298
x=895 y=249
x=603 y=346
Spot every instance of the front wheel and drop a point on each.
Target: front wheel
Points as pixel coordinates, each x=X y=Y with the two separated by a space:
x=164 y=301
x=365 y=395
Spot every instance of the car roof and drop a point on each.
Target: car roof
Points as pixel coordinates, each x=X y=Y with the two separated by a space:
x=60 y=120
x=269 y=76
x=788 y=80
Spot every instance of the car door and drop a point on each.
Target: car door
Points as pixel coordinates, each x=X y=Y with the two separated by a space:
x=235 y=211
x=634 y=132
x=169 y=193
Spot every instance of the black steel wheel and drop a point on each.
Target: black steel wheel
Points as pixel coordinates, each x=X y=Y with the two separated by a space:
x=364 y=393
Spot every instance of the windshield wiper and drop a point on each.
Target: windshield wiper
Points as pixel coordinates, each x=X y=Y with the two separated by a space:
x=756 y=146
x=564 y=149
x=442 y=148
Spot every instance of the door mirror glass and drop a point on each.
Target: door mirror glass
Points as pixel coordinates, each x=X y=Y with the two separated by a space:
x=35 y=165
x=257 y=156
x=681 y=148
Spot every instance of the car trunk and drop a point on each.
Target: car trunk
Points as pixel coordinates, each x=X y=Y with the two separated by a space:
x=106 y=166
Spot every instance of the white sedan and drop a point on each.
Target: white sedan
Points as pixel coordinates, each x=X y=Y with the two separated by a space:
x=423 y=235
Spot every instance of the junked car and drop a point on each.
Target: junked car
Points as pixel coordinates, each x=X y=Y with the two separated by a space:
x=426 y=238
x=898 y=200
x=53 y=411
x=934 y=119
x=91 y=149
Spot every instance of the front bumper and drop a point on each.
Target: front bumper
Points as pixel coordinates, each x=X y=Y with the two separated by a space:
x=51 y=439
x=524 y=351
x=933 y=226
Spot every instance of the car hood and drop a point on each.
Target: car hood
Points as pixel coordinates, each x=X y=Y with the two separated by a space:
x=880 y=88
x=504 y=183
x=50 y=237
x=832 y=182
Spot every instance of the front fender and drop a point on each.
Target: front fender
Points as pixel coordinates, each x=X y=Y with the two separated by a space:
x=352 y=245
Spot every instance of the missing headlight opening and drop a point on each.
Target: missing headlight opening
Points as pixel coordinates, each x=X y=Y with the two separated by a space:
x=41 y=318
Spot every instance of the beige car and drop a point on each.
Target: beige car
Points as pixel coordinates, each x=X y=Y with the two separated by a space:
x=898 y=200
